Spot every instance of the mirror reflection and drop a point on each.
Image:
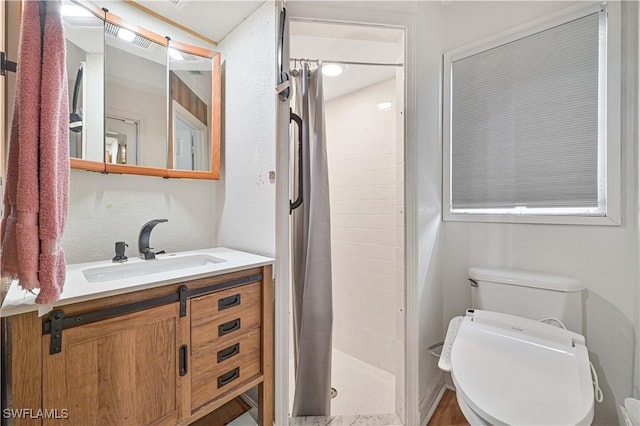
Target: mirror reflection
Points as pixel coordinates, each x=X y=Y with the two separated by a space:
x=135 y=99
x=139 y=99
x=84 y=33
x=190 y=110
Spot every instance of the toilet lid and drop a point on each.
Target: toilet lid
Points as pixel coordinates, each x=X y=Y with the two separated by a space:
x=516 y=371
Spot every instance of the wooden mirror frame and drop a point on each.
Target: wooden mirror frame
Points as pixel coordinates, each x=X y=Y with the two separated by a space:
x=216 y=85
x=215 y=116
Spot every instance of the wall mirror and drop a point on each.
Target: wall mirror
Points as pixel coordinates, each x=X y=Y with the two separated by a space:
x=135 y=98
x=84 y=32
x=194 y=116
x=143 y=104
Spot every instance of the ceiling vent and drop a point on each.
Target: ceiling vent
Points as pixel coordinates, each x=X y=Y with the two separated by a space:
x=175 y=2
x=142 y=42
x=111 y=29
x=139 y=41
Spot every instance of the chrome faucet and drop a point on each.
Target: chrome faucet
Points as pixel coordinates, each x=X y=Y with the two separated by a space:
x=143 y=240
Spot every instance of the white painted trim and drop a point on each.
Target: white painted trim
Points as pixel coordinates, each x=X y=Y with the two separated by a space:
x=432 y=409
x=283 y=238
x=181 y=113
x=614 y=112
x=250 y=401
x=636 y=106
x=528 y=218
x=613 y=135
x=254 y=409
x=412 y=308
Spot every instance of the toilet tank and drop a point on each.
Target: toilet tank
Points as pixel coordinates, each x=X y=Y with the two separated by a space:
x=528 y=294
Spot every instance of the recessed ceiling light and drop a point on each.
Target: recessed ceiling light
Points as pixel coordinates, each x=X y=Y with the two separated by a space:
x=126 y=35
x=73 y=10
x=175 y=55
x=331 y=70
x=384 y=106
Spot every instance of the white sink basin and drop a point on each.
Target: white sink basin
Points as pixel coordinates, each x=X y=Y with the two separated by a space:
x=147 y=267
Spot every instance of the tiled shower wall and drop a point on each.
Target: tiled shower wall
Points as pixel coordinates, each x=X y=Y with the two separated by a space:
x=364 y=184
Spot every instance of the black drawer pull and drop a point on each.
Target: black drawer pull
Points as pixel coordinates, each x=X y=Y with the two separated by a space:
x=228 y=327
x=228 y=302
x=229 y=377
x=229 y=352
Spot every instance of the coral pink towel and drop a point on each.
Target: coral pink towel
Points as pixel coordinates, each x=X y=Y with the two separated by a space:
x=36 y=199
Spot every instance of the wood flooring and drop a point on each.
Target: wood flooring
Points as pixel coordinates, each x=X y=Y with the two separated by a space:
x=448 y=412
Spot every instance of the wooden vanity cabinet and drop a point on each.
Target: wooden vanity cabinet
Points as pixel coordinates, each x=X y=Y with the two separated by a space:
x=120 y=371
x=163 y=364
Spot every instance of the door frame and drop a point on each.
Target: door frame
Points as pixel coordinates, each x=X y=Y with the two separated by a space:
x=410 y=414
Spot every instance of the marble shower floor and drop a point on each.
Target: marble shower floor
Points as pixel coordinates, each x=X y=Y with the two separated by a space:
x=357 y=420
x=365 y=393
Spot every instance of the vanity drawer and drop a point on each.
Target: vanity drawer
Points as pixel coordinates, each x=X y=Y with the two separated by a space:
x=224 y=367
x=224 y=315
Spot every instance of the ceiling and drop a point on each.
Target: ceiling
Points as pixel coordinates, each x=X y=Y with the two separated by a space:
x=313 y=40
x=213 y=19
x=354 y=43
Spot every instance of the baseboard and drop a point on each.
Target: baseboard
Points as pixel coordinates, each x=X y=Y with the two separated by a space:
x=247 y=398
x=429 y=410
x=252 y=403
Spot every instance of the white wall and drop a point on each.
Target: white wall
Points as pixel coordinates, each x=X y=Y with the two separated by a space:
x=361 y=149
x=150 y=110
x=136 y=89
x=428 y=50
x=246 y=197
x=109 y=208
x=605 y=259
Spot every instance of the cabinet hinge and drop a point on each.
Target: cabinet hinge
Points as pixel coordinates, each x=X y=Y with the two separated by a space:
x=56 y=320
x=183 y=295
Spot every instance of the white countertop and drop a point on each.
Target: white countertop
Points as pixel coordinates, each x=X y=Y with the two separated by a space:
x=78 y=289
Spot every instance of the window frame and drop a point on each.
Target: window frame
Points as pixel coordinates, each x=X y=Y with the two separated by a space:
x=609 y=159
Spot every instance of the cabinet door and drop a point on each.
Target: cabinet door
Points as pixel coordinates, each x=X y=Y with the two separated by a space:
x=120 y=371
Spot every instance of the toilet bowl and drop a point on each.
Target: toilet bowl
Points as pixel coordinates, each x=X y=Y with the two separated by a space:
x=510 y=370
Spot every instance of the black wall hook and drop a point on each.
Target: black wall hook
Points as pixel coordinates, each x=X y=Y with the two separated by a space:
x=7 y=65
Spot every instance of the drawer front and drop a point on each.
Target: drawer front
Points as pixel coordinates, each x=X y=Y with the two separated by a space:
x=223 y=367
x=224 y=315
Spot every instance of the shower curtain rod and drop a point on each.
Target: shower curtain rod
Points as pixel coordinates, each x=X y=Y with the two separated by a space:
x=346 y=62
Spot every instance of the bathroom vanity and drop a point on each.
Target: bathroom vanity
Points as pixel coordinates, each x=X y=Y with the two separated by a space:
x=161 y=348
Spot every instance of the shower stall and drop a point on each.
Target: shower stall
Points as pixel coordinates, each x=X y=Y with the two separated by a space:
x=363 y=80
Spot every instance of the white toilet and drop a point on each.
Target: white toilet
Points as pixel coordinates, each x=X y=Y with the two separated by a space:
x=507 y=366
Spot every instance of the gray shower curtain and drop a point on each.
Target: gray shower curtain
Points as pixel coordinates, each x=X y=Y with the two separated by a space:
x=311 y=255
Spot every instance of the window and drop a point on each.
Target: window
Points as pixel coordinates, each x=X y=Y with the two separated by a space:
x=531 y=124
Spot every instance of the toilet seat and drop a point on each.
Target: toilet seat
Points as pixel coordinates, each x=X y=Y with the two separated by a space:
x=515 y=371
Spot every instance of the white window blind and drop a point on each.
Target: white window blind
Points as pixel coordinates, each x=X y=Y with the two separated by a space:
x=525 y=123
